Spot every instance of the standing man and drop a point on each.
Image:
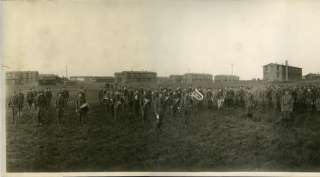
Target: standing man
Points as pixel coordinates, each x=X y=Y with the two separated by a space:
x=41 y=105
x=13 y=104
x=82 y=106
x=48 y=95
x=30 y=98
x=20 y=103
x=286 y=106
x=60 y=108
x=158 y=107
x=187 y=103
x=250 y=104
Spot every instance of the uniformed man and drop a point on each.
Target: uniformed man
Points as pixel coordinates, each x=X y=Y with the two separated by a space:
x=48 y=95
x=187 y=103
x=65 y=94
x=82 y=106
x=13 y=104
x=30 y=98
x=20 y=103
x=41 y=105
x=101 y=95
x=250 y=104
x=158 y=107
x=60 y=107
x=286 y=106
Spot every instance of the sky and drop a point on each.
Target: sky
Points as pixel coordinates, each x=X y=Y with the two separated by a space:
x=97 y=37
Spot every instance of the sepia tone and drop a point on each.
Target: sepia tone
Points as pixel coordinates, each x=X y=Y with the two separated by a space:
x=137 y=85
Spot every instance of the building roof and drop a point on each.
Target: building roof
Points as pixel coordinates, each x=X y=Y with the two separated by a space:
x=91 y=76
x=137 y=72
x=204 y=74
x=282 y=65
x=225 y=75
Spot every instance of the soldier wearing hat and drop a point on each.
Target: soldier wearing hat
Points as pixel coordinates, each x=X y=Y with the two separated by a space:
x=82 y=106
x=286 y=106
x=30 y=98
x=60 y=107
x=13 y=104
x=41 y=105
x=20 y=103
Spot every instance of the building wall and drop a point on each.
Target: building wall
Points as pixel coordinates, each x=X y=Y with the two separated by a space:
x=226 y=78
x=312 y=77
x=276 y=72
x=107 y=79
x=126 y=77
x=195 y=78
x=22 y=77
x=176 y=79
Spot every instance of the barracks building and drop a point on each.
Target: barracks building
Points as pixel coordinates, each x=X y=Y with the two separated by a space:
x=126 y=77
x=279 y=72
x=22 y=78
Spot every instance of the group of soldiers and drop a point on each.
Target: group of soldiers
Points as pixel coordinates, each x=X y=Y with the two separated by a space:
x=38 y=101
x=164 y=102
x=145 y=103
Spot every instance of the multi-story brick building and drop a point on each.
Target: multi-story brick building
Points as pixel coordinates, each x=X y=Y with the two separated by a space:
x=312 y=76
x=105 y=79
x=176 y=79
x=279 y=72
x=226 y=78
x=126 y=77
x=197 y=78
x=22 y=77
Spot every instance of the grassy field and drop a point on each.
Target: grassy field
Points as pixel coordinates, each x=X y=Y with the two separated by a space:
x=214 y=141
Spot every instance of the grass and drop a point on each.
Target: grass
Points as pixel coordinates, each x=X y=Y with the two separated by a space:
x=214 y=141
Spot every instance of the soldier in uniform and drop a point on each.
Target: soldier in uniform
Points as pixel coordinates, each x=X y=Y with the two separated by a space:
x=20 y=103
x=187 y=103
x=41 y=105
x=101 y=95
x=13 y=104
x=286 y=106
x=65 y=94
x=82 y=107
x=30 y=98
x=48 y=95
x=60 y=107
x=158 y=107
x=318 y=100
x=250 y=103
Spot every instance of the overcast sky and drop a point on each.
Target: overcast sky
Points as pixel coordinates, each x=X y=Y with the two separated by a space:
x=169 y=37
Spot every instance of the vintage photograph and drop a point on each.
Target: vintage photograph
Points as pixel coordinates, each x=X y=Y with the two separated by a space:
x=161 y=85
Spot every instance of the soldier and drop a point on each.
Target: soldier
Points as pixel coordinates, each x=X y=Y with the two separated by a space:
x=30 y=98
x=82 y=106
x=65 y=94
x=60 y=107
x=220 y=97
x=13 y=104
x=318 y=100
x=48 y=95
x=286 y=106
x=158 y=105
x=41 y=105
x=249 y=104
x=117 y=105
x=101 y=95
x=187 y=103
x=20 y=103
